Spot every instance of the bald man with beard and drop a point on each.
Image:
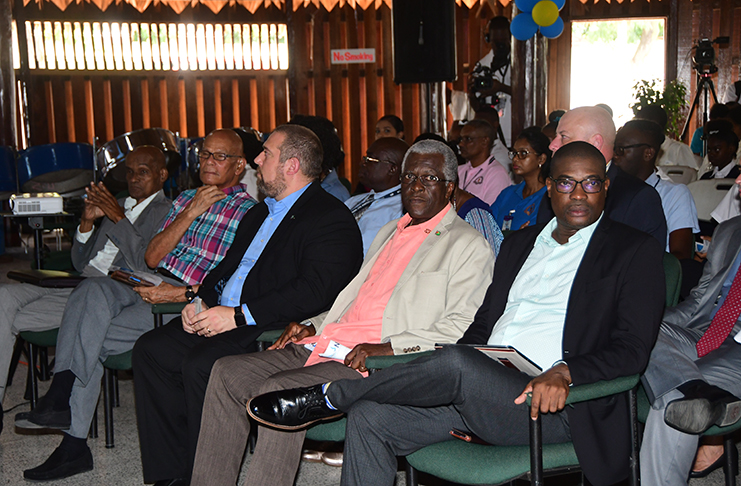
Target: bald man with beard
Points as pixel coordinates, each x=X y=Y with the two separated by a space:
x=630 y=200
x=379 y=170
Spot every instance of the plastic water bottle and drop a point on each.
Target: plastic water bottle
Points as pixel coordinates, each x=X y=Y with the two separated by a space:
x=507 y=224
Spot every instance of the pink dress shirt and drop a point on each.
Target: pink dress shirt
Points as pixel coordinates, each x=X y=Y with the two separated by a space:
x=363 y=321
x=485 y=181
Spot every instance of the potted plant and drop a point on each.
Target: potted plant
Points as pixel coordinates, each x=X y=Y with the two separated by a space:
x=672 y=99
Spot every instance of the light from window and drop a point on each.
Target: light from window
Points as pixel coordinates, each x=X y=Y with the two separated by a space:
x=123 y=46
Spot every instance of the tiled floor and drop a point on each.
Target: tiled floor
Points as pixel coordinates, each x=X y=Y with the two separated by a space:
x=120 y=465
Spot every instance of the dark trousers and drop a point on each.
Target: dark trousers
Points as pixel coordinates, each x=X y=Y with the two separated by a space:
x=401 y=409
x=171 y=372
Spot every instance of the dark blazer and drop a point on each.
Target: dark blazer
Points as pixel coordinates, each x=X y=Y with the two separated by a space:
x=313 y=254
x=612 y=321
x=131 y=239
x=629 y=201
x=735 y=172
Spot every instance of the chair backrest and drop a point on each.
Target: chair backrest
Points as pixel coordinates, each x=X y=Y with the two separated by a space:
x=708 y=194
x=673 y=276
x=680 y=174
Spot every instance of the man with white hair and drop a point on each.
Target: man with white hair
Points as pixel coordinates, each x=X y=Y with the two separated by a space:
x=630 y=200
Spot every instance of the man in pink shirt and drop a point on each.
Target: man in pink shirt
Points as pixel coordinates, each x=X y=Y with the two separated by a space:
x=422 y=281
x=481 y=175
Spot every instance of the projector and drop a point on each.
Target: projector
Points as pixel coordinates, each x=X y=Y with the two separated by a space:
x=43 y=203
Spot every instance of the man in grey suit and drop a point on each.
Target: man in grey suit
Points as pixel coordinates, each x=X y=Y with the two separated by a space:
x=119 y=240
x=695 y=367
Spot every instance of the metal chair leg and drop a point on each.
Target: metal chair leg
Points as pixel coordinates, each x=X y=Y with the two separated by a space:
x=108 y=403
x=536 y=452
x=116 y=401
x=44 y=374
x=17 y=351
x=93 y=434
x=635 y=466
x=412 y=476
x=32 y=383
x=730 y=468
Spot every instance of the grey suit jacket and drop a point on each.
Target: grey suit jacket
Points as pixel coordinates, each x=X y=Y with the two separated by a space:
x=696 y=310
x=438 y=293
x=131 y=239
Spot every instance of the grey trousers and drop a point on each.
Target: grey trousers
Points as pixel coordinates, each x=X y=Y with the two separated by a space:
x=399 y=410
x=25 y=307
x=666 y=453
x=102 y=318
x=225 y=425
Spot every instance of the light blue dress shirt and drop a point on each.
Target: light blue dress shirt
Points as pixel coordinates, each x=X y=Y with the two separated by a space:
x=676 y=201
x=383 y=210
x=334 y=186
x=277 y=210
x=535 y=313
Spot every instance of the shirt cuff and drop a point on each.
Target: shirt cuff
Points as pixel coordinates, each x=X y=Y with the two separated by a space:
x=83 y=237
x=248 y=316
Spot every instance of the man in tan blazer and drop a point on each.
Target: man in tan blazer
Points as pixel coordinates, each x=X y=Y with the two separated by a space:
x=423 y=279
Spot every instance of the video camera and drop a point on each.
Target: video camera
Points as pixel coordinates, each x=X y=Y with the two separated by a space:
x=703 y=60
x=482 y=79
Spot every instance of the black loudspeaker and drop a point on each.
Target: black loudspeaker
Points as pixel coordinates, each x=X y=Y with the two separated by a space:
x=424 y=41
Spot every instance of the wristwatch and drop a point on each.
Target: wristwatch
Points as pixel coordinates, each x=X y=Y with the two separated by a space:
x=189 y=294
x=239 y=316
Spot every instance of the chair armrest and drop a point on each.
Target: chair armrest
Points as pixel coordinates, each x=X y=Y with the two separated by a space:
x=168 y=308
x=270 y=336
x=599 y=389
x=381 y=362
x=47 y=278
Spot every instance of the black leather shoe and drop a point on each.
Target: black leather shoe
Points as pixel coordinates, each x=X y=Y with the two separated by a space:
x=291 y=409
x=44 y=417
x=173 y=482
x=703 y=406
x=60 y=465
x=720 y=462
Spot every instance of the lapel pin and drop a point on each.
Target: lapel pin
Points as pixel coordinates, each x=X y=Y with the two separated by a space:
x=437 y=233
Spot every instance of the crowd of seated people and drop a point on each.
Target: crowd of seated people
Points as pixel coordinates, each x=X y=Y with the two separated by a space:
x=419 y=259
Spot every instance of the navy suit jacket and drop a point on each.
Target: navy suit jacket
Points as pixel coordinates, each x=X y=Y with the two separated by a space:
x=313 y=254
x=612 y=320
x=629 y=201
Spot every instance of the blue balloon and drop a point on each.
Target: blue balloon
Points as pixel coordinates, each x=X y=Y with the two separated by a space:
x=559 y=3
x=553 y=30
x=524 y=27
x=527 y=5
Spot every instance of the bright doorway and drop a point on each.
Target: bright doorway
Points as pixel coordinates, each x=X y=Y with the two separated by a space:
x=608 y=57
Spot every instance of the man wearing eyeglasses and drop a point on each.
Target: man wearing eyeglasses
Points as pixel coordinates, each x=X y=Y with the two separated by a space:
x=380 y=171
x=105 y=317
x=481 y=175
x=581 y=296
x=631 y=201
x=421 y=283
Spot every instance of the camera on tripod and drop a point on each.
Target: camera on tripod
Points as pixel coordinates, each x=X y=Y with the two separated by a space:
x=703 y=60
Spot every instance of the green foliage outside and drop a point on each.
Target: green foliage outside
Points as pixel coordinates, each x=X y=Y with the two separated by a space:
x=672 y=98
x=595 y=31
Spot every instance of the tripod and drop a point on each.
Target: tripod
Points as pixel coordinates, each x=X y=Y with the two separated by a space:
x=704 y=82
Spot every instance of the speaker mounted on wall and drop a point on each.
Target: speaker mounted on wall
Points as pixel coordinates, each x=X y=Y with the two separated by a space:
x=424 y=41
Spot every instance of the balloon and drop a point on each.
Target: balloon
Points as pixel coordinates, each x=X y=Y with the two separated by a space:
x=545 y=13
x=527 y=5
x=554 y=30
x=523 y=27
x=559 y=3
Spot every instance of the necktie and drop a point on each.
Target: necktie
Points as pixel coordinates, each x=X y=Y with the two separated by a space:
x=362 y=206
x=723 y=321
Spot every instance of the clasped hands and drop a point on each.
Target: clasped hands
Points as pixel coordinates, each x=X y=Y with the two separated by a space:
x=549 y=391
x=355 y=359
x=100 y=202
x=210 y=321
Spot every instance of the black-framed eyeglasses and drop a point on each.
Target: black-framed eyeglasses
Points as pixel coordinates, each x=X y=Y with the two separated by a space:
x=365 y=160
x=407 y=178
x=590 y=185
x=520 y=154
x=620 y=149
x=219 y=157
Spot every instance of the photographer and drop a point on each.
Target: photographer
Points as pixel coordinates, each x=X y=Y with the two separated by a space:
x=489 y=84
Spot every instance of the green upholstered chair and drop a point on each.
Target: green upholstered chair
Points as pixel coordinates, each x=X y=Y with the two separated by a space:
x=673 y=276
x=159 y=310
x=38 y=343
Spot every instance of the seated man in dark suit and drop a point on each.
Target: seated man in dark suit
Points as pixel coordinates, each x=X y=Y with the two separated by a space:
x=120 y=239
x=293 y=253
x=581 y=296
x=630 y=200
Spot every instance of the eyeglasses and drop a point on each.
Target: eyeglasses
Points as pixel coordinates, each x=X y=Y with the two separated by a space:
x=620 y=149
x=408 y=178
x=370 y=160
x=521 y=154
x=590 y=185
x=219 y=157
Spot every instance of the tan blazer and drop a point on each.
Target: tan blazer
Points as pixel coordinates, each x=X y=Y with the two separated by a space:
x=439 y=292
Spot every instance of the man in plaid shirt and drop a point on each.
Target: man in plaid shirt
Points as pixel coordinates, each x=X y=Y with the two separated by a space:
x=105 y=317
